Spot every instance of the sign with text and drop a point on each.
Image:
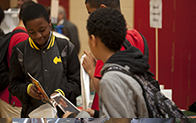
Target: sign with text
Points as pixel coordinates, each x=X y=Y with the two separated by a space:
x=156 y=13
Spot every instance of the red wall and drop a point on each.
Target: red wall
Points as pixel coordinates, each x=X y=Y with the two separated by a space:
x=177 y=41
x=64 y=3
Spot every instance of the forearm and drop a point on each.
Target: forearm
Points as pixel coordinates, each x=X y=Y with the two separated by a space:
x=95 y=82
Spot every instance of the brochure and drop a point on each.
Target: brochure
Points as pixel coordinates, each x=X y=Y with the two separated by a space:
x=64 y=104
x=40 y=88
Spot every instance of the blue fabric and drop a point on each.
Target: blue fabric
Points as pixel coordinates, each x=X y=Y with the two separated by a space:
x=59 y=29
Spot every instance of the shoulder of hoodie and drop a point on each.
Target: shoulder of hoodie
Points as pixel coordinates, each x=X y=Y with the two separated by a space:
x=116 y=79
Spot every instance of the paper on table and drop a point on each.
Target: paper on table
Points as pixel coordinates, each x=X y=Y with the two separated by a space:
x=43 y=111
x=85 y=86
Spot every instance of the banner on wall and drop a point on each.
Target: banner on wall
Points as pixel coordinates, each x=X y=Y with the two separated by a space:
x=156 y=13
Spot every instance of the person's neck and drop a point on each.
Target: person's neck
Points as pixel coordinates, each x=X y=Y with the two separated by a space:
x=106 y=56
x=20 y=24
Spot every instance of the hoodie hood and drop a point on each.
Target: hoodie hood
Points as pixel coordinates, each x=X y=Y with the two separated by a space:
x=130 y=59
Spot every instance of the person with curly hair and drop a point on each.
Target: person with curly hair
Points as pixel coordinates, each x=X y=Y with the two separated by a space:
x=120 y=95
x=93 y=67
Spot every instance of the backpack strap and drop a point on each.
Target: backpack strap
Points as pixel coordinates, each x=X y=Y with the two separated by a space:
x=17 y=31
x=5 y=40
x=146 y=49
x=127 y=44
x=117 y=68
x=63 y=45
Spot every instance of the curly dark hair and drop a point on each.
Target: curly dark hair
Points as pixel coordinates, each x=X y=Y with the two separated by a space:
x=2 y=14
x=108 y=3
x=34 y=11
x=109 y=25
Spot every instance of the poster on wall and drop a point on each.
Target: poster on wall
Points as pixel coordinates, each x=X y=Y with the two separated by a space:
x=156 y=13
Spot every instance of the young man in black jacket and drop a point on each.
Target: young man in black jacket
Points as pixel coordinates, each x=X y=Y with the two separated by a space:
x=51 y=60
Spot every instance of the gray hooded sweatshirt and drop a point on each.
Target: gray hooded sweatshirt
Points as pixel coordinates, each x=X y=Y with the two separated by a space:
x=120 y=95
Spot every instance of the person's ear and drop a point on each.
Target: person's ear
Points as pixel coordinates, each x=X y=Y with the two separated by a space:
x=50 y=24
x=93 y=39
x=102 y=6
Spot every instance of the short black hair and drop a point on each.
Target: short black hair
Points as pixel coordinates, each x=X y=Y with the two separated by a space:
x=23 y=6
x=108 y=3
x=109 y=25
x=2 y=14
x=35 y=11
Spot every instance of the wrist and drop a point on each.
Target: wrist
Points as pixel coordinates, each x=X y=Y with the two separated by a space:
x=91 y=73
x=60 y=91
x=29 y=88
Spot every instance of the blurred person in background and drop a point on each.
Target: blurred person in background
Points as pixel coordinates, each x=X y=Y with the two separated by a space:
x=68 y=28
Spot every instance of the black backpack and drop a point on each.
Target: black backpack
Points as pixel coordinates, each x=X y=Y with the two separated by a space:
x=148 y=75
x=158 y=105
x=4 y=70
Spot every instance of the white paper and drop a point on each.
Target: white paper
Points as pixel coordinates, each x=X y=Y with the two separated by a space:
x=167 y=93
x=156 y=13
x=44 y=111
x=85 y=86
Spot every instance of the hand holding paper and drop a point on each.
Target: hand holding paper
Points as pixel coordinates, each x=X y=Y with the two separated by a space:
x=39 y=87
x=35 y=93
x=88 y=63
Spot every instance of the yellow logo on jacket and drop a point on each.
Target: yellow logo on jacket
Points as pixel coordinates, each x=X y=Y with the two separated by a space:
x=56 y=60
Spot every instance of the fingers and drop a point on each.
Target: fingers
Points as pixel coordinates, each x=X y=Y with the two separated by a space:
x=90 y=111
x=34 y=93
x=89 y=63
x=52 y=100
x=35 y=89
x=66 y=115
x=53 y=94
x=87 y=52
